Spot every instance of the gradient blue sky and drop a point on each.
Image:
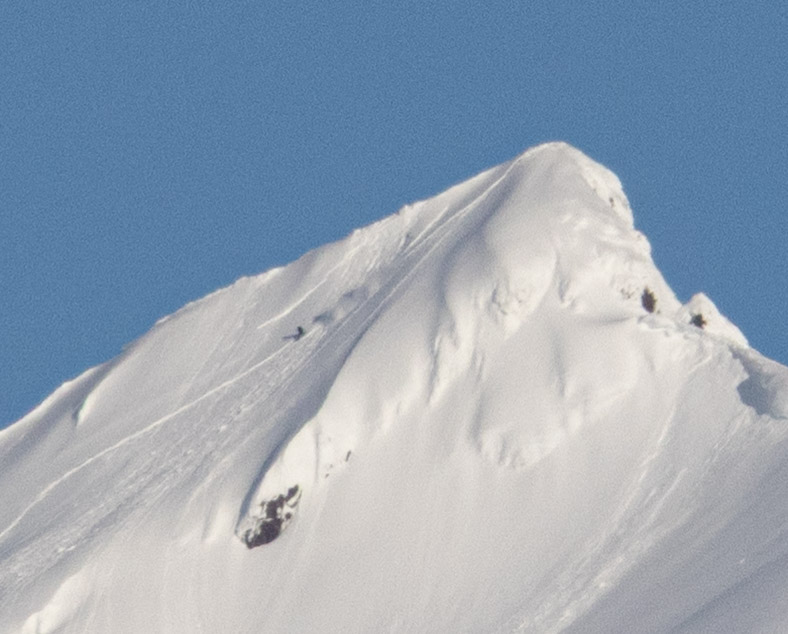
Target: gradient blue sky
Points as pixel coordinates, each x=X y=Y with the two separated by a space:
x=151 y=152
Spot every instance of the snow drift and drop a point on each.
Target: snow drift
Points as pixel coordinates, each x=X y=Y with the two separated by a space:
x=486 y=413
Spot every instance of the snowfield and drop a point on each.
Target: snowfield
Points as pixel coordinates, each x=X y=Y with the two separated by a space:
x=485 y=413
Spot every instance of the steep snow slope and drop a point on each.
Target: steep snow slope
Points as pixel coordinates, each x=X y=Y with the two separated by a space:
x=487 y=412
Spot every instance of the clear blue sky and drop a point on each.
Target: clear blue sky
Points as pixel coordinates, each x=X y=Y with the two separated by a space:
x=151 y=152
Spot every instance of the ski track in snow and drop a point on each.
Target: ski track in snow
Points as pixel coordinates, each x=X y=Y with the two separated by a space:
x=142 y=432
x=302 y=300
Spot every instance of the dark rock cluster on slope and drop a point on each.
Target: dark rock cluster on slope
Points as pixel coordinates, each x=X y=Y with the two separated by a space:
x=275 y=515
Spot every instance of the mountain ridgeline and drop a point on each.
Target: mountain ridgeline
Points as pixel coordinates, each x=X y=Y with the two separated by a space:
x=485 y=413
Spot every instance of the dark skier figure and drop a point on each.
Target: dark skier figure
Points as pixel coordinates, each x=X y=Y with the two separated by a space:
x=298 y=334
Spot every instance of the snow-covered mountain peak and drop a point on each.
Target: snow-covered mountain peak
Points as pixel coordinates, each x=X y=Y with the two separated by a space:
x=487 y=412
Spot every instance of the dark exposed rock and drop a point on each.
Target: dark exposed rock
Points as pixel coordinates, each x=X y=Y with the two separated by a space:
x=698 y=320
x=649 y=300
x=275 y=515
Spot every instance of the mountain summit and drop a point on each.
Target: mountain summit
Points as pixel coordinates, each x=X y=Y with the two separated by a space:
x=485 y=413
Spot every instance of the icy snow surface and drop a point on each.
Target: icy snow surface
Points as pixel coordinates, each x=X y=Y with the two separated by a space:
x=486 y=413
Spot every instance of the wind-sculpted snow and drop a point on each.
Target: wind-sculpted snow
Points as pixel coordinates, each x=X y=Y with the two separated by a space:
x=488 y=412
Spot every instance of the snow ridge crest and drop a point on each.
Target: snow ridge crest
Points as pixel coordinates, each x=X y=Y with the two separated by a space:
x=491 y=393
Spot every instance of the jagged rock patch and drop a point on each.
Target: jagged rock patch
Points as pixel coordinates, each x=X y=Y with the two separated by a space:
x=698 y=320
x=649 y=300
x=275 y=514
